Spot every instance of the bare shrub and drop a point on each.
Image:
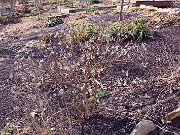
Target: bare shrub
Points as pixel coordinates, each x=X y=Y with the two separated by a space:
x=63 y=87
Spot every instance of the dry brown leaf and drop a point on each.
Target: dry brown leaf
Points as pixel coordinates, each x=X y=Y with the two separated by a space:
x=172 y=115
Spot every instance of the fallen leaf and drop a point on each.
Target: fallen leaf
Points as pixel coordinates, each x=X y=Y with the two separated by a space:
x=172 y=115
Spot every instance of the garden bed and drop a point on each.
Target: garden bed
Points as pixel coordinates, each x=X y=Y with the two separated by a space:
x=120 y=110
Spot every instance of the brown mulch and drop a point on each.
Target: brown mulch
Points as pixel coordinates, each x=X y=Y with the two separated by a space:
x=123 y=108
x=20 y=28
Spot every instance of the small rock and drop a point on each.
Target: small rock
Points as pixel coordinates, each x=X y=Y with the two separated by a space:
x=149 y=7
x=178 y=12
x=142 y=6
x=143 y=128
x=165 y=10
x=118 y=7
x=1 y=59
x=2 y=34
x=160 y=9
x=65 y=11
x=1 y=39
x=176 y=9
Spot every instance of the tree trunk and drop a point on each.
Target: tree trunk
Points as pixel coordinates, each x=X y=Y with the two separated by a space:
x=2 y=7
x=129 y=3
x=121 y=11
x=38 y=5
x=12 y=6
x=25 y=5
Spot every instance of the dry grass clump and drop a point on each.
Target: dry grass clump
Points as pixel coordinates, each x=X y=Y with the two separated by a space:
x=162 y=20
x=81 y=30
x=172 y=80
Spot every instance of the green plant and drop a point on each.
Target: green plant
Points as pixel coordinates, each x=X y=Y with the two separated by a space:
x=99 y=95
x=66 y=2
x=92 y=29
x=138 y=29
x=54 y=21
x=117 y=31
x=1 y=20
x=152 y=9
x=140 y=20
x=4 y=20
x=103 y=93
x=91 y=9
x=8 y=129
x=1 y=50
x=155 y=12
x=134 y=9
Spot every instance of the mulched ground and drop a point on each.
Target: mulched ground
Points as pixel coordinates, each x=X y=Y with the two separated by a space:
x=123 y=108
x=119 y=113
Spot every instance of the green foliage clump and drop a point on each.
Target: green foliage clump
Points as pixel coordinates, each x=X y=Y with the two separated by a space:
x=100 y=94
x=115 y=11
x=134 y=9
x=8 y=129
x=155 y=12
x=54 y=22
x=91 y=9
x=66 y=2
x=103 y=93
x=137 y=30
x=152 y=9
x=117 y=31
x=1 y=20
x=4 y=20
